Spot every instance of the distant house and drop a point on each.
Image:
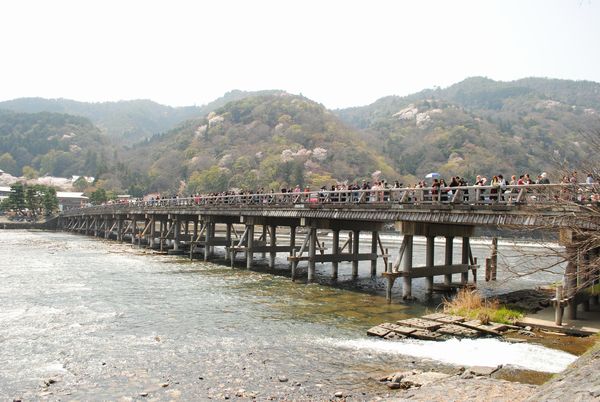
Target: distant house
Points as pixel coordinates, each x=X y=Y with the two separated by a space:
x=69 y=200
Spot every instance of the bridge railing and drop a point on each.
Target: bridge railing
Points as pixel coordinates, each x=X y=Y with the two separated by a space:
x=531 y=194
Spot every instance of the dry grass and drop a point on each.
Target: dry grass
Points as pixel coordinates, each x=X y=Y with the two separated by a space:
x=470 y=304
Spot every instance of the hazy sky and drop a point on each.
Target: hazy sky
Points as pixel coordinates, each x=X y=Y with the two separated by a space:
x=339 y=53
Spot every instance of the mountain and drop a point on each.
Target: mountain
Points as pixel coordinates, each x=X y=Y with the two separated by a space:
x=52 y=143
x=127 y=121
x=271 y=140
x=481 y=126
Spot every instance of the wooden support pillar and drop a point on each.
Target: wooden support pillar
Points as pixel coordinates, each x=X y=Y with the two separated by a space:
x=390 y=284
x=250 y=246
x=176 y=230
x=429 y=261
x=152 y=231
x=335 y=251
x=161 y=231
x=448 y=258
x=107 y=227
x=494 y=257
x=312 y=252
x=292 y=249
x=374 y=251
x=558 y=306
x=213 y=231
x=571 y=283
x=407 y=268
x=119 y=228
x=133 y=230
x=264 y=239
x=273 y=244
x=227 y=239
x=355 y=249
x=466 y=249
x=207 y=239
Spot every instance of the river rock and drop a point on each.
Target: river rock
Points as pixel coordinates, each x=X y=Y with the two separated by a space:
x=398 y=377
x=282 y=378
x=338 y=394
x=483 y=370
x=418 y=380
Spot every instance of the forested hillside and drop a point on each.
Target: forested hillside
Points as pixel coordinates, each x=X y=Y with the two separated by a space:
x=272 y=141
x=52 y=143
x=126 y=121
x=483 y=126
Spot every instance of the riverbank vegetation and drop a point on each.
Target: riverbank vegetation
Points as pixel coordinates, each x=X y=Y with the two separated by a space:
x=470 y=304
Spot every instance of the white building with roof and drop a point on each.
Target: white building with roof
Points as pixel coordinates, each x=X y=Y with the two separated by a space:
x=69 y=200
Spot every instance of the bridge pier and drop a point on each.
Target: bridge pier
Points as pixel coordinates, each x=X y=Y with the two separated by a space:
x=312 y=252
x=250 y=245
x=152 y=231
x=292 y=251
x=227 y=239
x=407 y=268
x=273 y=244
x=429 y=261
x=119 y=228
x=335 y=250
x=448 y=258
x=263 y=238
x=107 y=227
x=355 y=250
x=430 y=270
x=133 y=229
x=466 y=251
x=176 y=232
x=374 y=237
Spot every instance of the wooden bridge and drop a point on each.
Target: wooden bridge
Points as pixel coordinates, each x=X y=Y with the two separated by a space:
x=188 y=225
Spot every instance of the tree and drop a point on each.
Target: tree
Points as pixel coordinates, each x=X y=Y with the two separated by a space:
x=29 y=172
x=50 y=201
x=16 y=198
x=8 y=163
x=98 y=197
x=80 y=184
x=214 y=179
x=33 y=199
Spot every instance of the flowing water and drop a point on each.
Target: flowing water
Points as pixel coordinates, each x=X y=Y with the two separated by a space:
x=110 y=321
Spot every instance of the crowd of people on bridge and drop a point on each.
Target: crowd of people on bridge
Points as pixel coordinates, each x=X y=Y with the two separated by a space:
x=435 y=188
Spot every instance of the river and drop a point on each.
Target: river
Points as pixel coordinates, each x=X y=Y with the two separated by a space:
x=103 y=320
